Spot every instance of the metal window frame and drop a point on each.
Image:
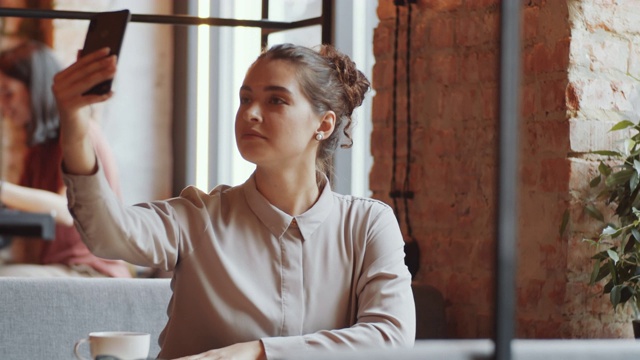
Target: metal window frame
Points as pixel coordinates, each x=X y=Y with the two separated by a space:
x=183 y=128
x=510 y=70
x=267 y=25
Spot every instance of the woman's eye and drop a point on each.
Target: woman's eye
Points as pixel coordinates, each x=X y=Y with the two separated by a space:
x=244 y=100
x=276 y=101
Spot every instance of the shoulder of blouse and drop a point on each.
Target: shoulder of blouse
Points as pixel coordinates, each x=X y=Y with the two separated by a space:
x=197 y=196
x=364 y=202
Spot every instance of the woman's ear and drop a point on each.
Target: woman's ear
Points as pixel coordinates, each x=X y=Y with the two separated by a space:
x=327 y=124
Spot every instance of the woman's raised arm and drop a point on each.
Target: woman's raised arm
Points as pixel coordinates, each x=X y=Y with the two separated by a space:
x=68 y=87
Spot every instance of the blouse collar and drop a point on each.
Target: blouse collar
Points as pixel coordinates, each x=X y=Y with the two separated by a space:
x=277 y=221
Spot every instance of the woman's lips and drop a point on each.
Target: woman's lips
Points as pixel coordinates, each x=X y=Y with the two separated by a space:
x=253 y=135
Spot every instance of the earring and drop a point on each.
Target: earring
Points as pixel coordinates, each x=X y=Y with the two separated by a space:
x=319 y=136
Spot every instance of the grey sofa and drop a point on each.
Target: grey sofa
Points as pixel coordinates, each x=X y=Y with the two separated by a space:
x=43 y=318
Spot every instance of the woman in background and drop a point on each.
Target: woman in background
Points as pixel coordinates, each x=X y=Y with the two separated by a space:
x=26 y=99
x=278 y=265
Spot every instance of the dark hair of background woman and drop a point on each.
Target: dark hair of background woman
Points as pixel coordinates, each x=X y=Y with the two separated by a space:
x=35 y=65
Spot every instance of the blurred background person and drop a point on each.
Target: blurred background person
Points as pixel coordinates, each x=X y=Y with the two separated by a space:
x=26 y=99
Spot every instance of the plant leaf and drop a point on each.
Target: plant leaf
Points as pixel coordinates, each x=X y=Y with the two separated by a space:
x=593 y=212
x=622 y=125
x=619 y=177
x=602 y=273
x=595 y=181
x=606 y=153
x=613 y=255
x=604 y=169
x=633 y=182
x=625 y=294
x=620 y=294
x=629 y=145
x=595 y=273
x=609 y=230
x=607 y=287
x=614 y=274
x=614 y=295
x=602 y=255
x=565 y=221
x=627 y=246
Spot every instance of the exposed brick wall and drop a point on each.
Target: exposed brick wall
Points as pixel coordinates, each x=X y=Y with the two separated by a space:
x=604 y=52
x=454 y=109
x=545 y=171
x=453 y=165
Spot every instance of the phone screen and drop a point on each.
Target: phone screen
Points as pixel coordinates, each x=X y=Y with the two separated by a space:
x=106 y=29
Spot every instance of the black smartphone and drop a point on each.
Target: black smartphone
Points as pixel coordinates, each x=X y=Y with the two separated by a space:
x=106 y=29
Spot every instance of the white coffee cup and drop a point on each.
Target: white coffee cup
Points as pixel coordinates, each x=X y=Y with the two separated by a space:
x=124 y=345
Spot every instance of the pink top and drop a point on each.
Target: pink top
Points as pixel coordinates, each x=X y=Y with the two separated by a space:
x=43 y=171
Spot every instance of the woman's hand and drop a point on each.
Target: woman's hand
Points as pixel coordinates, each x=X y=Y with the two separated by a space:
x=252 y=350
x=68 y=87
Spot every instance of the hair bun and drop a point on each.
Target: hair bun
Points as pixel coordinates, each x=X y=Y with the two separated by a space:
x=355 y=83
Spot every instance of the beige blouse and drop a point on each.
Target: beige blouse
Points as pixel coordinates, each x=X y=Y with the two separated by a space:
x=244 y=270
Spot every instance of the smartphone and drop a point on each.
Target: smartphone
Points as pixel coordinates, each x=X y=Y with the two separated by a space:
x=106 y=29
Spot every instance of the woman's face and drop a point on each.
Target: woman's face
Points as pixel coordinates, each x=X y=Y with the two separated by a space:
x=15 y=101
x=275 y=123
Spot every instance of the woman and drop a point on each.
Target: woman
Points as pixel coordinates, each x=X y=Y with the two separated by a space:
x=278 y=264
x=26 y=99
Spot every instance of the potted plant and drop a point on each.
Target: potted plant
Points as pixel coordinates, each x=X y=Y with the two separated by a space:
x=617 y=257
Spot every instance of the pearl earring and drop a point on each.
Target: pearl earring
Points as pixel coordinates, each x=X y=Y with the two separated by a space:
x=319 y=136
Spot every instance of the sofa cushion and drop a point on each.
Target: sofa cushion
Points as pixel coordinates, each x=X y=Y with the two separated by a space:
x=43 y=318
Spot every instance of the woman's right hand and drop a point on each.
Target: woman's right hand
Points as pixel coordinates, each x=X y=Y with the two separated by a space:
x=68 y=87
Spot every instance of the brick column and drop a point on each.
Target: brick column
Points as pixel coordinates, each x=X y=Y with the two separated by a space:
x=454 y=76
x=605 y=59
x=454 y=118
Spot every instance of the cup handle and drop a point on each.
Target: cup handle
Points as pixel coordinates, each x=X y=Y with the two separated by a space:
x=77 y=347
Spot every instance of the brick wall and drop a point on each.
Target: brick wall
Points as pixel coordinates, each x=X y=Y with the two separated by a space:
x=545 y=171
x=454 y=60
x=453 y=95
x=602 y=91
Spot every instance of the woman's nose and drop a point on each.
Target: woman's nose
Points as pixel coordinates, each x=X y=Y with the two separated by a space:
x=252 y=113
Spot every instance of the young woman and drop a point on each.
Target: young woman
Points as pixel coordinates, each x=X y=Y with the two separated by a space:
x=26 y=99
x=278 y=264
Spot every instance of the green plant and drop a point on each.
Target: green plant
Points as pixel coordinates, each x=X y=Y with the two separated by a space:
x=617 y=258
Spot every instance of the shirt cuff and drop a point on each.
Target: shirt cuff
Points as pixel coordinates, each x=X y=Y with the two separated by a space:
x=280 y=347
x=84 y=188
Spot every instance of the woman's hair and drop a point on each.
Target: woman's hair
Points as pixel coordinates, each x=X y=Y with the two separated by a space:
x=331 y=82
x=34 y=64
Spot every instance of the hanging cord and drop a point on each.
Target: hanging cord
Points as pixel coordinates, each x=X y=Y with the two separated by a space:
x=411 y=249
x=407 y=193
x=394 y=193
